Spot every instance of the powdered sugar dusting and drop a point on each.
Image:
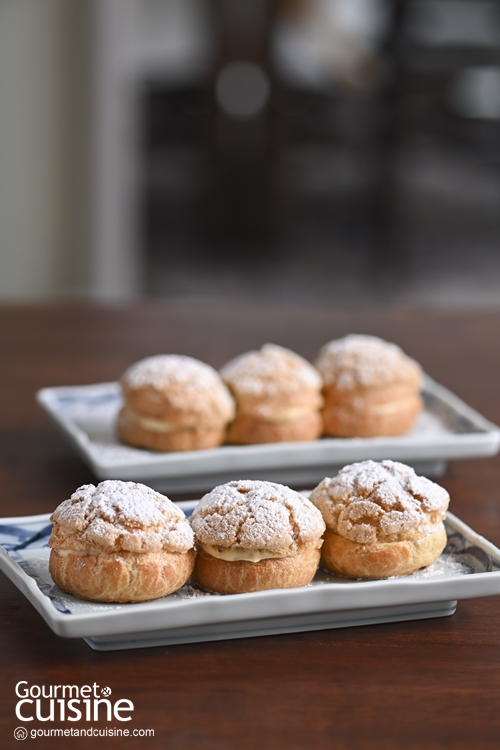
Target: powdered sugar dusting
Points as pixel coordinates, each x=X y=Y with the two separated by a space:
x=368 y=501
x=271 y=370
x=364 y=361
x=120 y=515
x=185 y=379
x=249 y=514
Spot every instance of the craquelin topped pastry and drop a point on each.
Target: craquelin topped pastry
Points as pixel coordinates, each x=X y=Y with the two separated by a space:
x=174 y=403
x=253 y=535
x=120 y=542
x=381 y=520
x=277 y=394
x=370 y=387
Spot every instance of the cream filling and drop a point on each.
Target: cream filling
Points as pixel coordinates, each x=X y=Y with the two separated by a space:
x=249 y=555
x=80 y=552
x=391 y=407
x=155 y=425
x=96 y=553
x=286 y=415
x=159 y=425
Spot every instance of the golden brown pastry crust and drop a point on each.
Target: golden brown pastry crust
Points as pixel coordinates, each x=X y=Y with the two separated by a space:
x=189 y=438
x=349 y=420
x=247 y=429
x=254 y=516
x=186 y=397
x=371 y=387
x=381 y=560
x=277 y=394
x=251 y=514
x=240 y=576
x=120 y=541
x=121 y=577
x=382 y=520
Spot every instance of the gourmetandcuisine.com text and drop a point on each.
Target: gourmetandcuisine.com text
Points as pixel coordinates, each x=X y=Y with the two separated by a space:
x=90 y=732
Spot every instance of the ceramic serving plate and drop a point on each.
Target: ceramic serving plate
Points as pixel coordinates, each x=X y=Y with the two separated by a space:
x=468 y=568
x=446 y=429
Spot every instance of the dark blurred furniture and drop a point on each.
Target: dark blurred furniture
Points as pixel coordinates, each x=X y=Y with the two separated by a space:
x=432 y=43
x=241 y=205
x=324 y=172
x=210 y=175
x=429 y=683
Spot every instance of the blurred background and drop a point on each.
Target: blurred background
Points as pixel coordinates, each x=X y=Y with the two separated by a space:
x=338 y=151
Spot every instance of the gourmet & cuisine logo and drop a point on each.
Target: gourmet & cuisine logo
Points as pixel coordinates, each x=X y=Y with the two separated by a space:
x=70 y=703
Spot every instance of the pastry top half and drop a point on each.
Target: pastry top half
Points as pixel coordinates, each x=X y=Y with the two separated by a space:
x=372 y=502
x=178 y=390
x=273 y=383
x=361 y=363
x=118 y=517
x=249 y=516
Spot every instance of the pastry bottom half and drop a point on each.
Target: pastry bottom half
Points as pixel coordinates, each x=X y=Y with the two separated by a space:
x=180 y=439
x=381 y=559
x=241 y=576
x=248 y=429
x=347 y=421
x=121 y=576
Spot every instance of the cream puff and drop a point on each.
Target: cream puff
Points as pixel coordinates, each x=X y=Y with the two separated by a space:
x=277 y=394
x=173 y=403
x=370 y=387
x=120 y=542
x=381 y=520
x=254 y=535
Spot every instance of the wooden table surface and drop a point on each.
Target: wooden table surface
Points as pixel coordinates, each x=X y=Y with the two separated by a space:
x=429 y=683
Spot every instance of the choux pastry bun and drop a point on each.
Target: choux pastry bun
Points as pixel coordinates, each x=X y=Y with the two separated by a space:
x=381 y=520
x=277 y=394
x=120 y=542
x=253 y=535
x=173 y=403
x=370 y=387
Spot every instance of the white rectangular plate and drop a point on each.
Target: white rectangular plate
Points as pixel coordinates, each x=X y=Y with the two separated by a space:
x=446 y=429
x=468 y=568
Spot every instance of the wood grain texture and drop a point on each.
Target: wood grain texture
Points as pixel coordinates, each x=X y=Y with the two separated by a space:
x=431 y=684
